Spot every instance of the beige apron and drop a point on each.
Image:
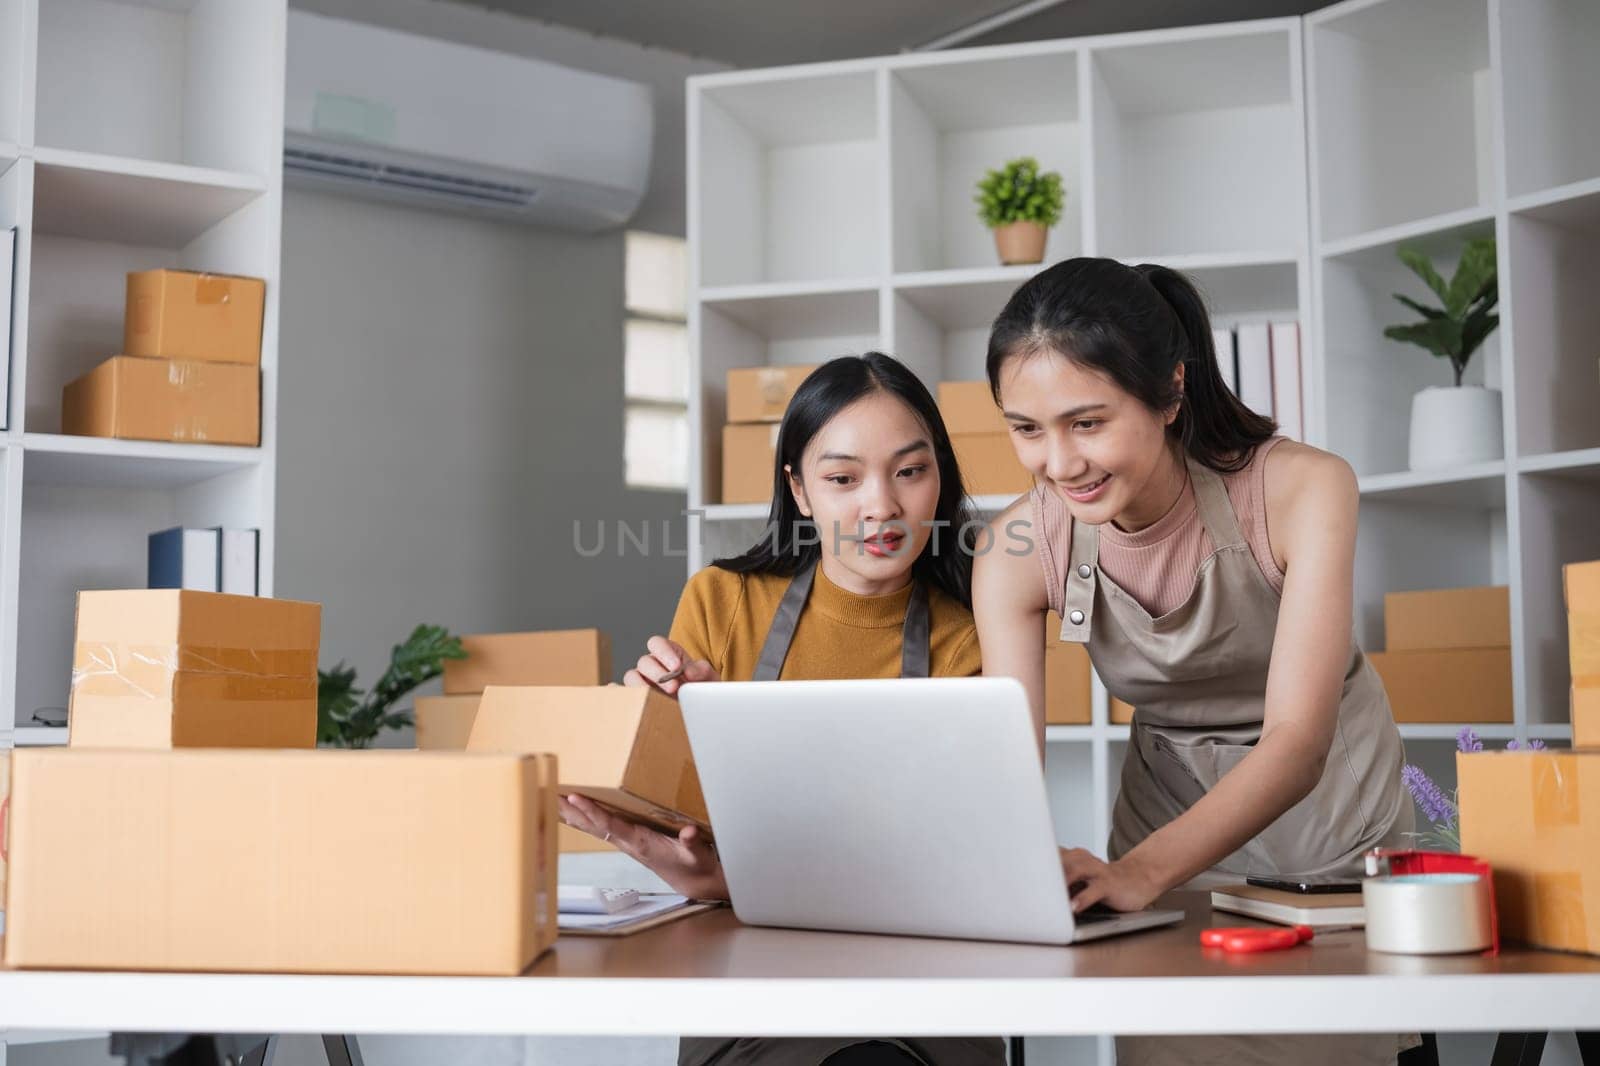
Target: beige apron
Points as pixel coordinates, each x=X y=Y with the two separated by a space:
x=810 y=1051
x=1197 y=678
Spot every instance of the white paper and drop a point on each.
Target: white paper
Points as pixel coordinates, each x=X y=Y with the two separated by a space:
x=1255 y=367
x=649 y=906
x=1286 y=402
x=1222 y=340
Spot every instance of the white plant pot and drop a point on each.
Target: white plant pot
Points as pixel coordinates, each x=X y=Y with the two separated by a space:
x=1455 y=427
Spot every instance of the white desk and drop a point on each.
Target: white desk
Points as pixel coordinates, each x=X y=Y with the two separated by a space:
x=708 y=974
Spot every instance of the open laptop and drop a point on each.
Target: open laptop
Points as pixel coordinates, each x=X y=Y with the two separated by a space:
x=914 y=807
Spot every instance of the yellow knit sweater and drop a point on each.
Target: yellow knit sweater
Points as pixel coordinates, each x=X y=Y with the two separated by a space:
x=724 y=617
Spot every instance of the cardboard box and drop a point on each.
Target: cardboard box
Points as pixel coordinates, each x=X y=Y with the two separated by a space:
x=157 y=399
x=5 y=807
x=969 y=407
x=1066 y=677
x=173 y=668
x=1452 y=685
x=211 y=318
x=762 y=393
x=1586 y=716
x=551 y=657
x=281 y=862
x=444 y=723
x=1121 y=713
x=1436 y=619
x=748 y=455
x=989 y=465
x=1535 y=817
x=621 y=746
x=1581 y=587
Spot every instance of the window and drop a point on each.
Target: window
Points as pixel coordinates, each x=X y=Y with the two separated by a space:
x=656 y=363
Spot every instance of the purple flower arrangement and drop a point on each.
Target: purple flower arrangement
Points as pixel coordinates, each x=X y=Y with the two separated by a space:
x=1439 y=809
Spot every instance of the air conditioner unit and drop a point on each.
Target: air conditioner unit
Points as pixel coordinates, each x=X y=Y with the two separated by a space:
x=393 y=115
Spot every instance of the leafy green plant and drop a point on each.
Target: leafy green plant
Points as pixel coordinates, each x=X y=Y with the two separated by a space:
x=347 y=717
x=1457 y=329
x=1017 y=192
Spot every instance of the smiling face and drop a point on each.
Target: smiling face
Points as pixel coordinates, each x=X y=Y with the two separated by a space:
x=1098 y=447
x=870 y=474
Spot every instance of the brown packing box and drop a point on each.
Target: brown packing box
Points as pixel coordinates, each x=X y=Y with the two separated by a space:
x=1581 y=587
x=5 y=803
x=1535 y=818
x=176 y=314
x=551 y=657
x=762 y=393
x=1121 y=713
x=173 y=668
x=281 y=861
x=1586 y=716
x=621 y=746
x=1455 y=685
x=444 y=723
x=157 y=399
x=748 y=455
x=969 y=407
x=989 y=465
x=1066 y=677
x=1436 y=619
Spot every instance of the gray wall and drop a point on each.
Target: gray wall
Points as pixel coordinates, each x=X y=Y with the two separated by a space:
x=451 y=395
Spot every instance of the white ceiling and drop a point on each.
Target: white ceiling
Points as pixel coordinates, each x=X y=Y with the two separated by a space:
x=765 y=33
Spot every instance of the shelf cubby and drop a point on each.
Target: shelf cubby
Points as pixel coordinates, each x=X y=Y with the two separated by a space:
x=14 y=44
x=942 y=331
x=1066 y=769
x=1555 y=321
x=951 y=122
x=1550 y=83
x=1366 y=372
x=186 y=82
x=1560 y=520
x=1401 y=105
x=788 y=180
x=1212 y=120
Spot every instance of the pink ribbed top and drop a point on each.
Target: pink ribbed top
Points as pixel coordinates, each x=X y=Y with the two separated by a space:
x=1158 y=565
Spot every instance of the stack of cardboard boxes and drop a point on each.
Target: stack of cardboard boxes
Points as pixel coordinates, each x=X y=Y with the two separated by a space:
x=1534 y=816
x=982 y=440
x=564 y=657
x=1448 y=657
x=757 y=399
x=182 y=830
x=190 y=368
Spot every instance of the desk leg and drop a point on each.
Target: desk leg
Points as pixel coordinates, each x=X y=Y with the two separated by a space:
x=1518 y=1049
x=1588 y=1049
x=1016 y=1051
x=342 y=1050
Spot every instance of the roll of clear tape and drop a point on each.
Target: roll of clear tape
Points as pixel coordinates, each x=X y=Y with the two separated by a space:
x=1428 y=914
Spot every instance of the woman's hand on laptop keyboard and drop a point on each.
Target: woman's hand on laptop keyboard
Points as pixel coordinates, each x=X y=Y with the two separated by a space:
x=686 y=862
x=1120 y=885
x=667 y=667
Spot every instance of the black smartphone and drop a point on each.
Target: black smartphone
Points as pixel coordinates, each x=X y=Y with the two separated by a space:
x=1304 y=885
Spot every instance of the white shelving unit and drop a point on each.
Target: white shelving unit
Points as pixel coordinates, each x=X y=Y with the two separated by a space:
x=1283 y=188
x=133 y=134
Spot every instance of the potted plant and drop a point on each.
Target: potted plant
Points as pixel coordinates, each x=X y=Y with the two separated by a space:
x=1020 y=205
x=347 y=717
x=1456 y=425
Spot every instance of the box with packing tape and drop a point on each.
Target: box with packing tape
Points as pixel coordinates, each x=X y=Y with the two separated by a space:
x=762 y=393
x=281 y=861
x=178 y=314
x=1535 y=817
x=1066 y=677
x=174 y=668
x=1447 y=685
x=1580 y=584
x=550 y=657
x=748 y=456
x=132 y=398
x=623 y=747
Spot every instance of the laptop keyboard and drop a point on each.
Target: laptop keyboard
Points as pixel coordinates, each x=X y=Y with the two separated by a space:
x=1096 y=912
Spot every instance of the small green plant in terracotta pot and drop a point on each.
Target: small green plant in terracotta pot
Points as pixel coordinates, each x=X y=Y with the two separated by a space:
x=1020 y=204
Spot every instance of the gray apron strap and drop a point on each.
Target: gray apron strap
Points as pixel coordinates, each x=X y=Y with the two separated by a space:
x=914 y=635
x=1216 y=510
x=1078 y=587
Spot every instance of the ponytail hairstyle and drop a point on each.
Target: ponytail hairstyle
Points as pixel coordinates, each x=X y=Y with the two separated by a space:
x=790 y=543
x=1135 y=325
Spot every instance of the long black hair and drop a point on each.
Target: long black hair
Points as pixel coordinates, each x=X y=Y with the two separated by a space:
x=1135 y=324
x=790 y=543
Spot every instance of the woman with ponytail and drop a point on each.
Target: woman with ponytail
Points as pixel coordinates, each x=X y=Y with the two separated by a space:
x=1208 y=566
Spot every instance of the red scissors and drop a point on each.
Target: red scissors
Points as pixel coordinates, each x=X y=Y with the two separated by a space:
x=1243 y=940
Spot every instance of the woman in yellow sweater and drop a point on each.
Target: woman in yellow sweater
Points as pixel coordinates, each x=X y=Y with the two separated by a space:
x=863 y=571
